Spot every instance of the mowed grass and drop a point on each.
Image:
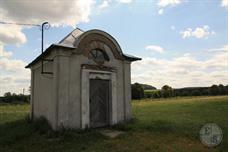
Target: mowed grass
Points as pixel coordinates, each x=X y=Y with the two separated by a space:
x=161 y=125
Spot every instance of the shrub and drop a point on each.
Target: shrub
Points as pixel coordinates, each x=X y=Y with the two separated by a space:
x=41 y=125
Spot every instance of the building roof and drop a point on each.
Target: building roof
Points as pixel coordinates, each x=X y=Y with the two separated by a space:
x=72 y=37
x=70 y=42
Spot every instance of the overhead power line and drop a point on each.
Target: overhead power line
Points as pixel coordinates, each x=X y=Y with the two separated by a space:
x=44 y=26
x=14 y=23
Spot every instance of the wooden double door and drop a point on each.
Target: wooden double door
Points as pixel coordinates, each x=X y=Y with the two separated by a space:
x=99 y=102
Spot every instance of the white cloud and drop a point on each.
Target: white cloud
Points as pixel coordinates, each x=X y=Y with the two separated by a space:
x=199 y=32
x=13 y=84
x=125 y=1
x=182 y=71
x=11 y=34
x=3 y=53
x=11 y=65
x=221 y=49
x=219 y=61
x=13 y=77
x=165 y=3
x=186 y=33
x=56 y=12
x=155 y=48
x=224 y=3
x=160 y=11
x=103 y=5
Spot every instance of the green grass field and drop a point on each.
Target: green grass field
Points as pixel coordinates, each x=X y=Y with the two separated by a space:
x=161 y=125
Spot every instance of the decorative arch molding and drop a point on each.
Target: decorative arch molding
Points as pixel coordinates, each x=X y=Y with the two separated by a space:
x=95 y=39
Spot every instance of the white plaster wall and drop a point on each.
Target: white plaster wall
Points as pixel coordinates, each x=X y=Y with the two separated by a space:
x=63 y=91
x=120 y=91
x=42 y=96
x=75 y=92
x=127 y=87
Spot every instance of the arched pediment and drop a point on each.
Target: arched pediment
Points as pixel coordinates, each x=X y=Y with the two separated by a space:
x=96 y=39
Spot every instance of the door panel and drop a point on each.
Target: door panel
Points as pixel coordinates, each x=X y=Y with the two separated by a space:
x=99 y=99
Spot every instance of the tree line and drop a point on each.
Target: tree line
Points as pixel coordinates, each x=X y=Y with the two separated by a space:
x=138 y=91
x=13 y=97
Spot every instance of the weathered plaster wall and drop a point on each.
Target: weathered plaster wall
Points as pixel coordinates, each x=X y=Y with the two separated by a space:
x=75 y=92
x=127 y=88
x=42 y=94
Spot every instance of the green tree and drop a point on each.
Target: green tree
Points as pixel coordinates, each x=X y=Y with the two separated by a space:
x=137 y=91
x=13 y=97
x=167 y=91
x=214 y=90
x=196 y=92
x=226 y=89
x=7 y=94
x=222 y=89
x=7 y=97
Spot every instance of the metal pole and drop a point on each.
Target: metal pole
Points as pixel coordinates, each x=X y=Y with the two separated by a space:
x=42 y=45
x=42 y=36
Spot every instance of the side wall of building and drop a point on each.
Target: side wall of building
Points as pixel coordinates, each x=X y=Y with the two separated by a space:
x=42 y=91
x=127 y=88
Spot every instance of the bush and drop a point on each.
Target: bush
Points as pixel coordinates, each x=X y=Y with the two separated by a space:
x=137 y=91
x=41 y=125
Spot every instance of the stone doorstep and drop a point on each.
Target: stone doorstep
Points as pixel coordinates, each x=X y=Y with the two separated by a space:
x=111 y=133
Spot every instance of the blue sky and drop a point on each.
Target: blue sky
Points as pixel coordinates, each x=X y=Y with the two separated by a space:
x=183 y=43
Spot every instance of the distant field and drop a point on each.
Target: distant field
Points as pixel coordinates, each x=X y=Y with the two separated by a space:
x=148 y=91
x=160 y=125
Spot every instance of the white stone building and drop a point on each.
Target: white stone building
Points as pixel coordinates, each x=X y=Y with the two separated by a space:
x=84 y=81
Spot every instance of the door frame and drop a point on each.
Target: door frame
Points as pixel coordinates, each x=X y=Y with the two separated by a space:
x=108 y=107
x=88 y=74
